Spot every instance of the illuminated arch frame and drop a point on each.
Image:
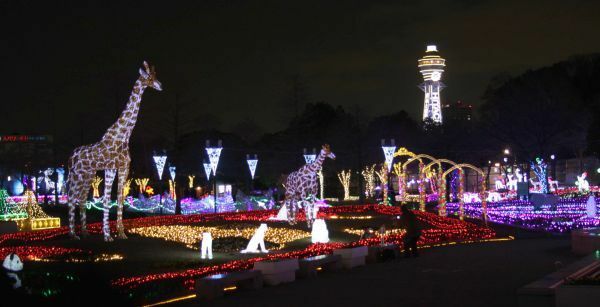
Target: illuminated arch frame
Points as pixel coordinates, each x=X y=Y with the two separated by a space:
x=401 y=152
x=441 y=181
x=461 y=183
x=422 y=191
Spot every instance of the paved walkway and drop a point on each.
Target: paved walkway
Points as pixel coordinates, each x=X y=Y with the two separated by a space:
x=483 y=274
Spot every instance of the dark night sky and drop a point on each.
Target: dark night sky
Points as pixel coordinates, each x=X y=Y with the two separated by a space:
x=232 y=60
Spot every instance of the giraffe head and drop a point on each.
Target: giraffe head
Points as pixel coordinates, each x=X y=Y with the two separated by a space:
x=326 y=151
x=148 y=77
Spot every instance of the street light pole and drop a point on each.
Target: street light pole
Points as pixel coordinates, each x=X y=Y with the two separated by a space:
x=214 y=153
x=159 y=162
x=388 y=152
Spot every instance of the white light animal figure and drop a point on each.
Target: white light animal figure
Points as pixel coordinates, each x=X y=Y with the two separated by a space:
x=519 y=175
x=494 y=197
x=258 y=239
x=499 y=184
x=512 y=182
x=469 y=197
x=206 y=247
x=536 y=185
x=553 y=184
x=320 y=234
x=582 y=184
x=12 y=262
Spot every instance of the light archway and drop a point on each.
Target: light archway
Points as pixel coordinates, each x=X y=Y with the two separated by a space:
x=461 y=183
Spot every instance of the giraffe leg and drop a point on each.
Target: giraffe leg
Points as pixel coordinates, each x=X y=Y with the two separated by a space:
x=74 y=186
x=87 y=180
x=109 y=177
x=120 y=200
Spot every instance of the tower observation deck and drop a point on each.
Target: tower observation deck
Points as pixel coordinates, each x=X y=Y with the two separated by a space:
x=431 y=67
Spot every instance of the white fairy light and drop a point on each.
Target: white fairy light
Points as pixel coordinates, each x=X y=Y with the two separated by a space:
x=159 y=162
x=252 y=164
x=388 y=152
x=214 y=153
x=207 y=170
x=172 y=172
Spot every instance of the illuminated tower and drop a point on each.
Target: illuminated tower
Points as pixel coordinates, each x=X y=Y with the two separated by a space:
x=431 y=67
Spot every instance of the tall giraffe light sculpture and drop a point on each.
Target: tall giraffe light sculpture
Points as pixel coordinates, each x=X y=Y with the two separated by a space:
x=110 y=154
x=302 y=186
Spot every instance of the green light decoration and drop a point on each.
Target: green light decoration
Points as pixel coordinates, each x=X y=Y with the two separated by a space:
x=8 y=209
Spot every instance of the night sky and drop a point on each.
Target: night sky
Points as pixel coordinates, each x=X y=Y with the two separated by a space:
x=68 y=69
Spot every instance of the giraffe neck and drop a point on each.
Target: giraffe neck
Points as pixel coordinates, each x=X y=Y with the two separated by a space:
x=121 y=130
x=316 y=165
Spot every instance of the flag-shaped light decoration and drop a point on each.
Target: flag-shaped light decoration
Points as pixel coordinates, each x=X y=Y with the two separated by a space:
x=309 y=158
x=172 y=170
x=207 y=170
x=388 y=152
x=214 y=153
x=159 y=162
x=252 y=164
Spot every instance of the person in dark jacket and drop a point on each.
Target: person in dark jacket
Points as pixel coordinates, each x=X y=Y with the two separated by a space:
x=413 y=232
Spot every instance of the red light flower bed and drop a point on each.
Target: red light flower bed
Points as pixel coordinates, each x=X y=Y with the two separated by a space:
x=442 y=230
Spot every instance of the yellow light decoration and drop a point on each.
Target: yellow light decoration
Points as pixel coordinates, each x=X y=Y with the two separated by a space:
x=99 y=258
x=96 y=186
x=142 y=183
x=359 y=232
x=369 y=174
x=126 y=188
x=191 y=181
x=351 y=217
x=383 y=177
x=36 y=219
x=321 y=183
x=191 y=236
x=172 y=187
x=344 y=177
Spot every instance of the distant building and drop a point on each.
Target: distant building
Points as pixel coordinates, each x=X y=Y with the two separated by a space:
x=458 y=112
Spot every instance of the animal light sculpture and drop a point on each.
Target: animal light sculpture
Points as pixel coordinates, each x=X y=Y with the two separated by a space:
x=110 y=154
x=301 y=187
x=582 y=184
x=12 y=262
x=319 y=234
x=512 y=182
x=206 y=246
x=257 y=240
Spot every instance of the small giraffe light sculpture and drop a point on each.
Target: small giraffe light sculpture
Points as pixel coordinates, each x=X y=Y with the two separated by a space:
x=110 y=154
x=302 y=186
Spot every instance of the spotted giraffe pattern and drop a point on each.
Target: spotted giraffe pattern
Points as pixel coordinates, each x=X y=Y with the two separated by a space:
x=301 y=186
x=111 y=155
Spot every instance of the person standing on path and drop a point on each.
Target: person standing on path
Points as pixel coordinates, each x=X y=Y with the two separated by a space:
x=413 y=232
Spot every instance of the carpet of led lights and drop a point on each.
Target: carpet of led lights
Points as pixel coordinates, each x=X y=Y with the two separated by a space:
x=191 y=236
x=567 y=214
x=182 y=232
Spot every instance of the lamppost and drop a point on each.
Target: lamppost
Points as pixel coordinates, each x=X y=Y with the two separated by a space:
x=388 y=152
x=172 y=187
x=214 y=153
x=159 y=163
x=252 y=162
x=553 y=158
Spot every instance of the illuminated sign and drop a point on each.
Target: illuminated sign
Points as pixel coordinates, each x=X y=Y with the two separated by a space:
x=25 y=138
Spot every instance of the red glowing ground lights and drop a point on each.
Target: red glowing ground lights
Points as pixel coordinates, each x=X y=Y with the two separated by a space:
x=441 y=230
x=438 y=230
